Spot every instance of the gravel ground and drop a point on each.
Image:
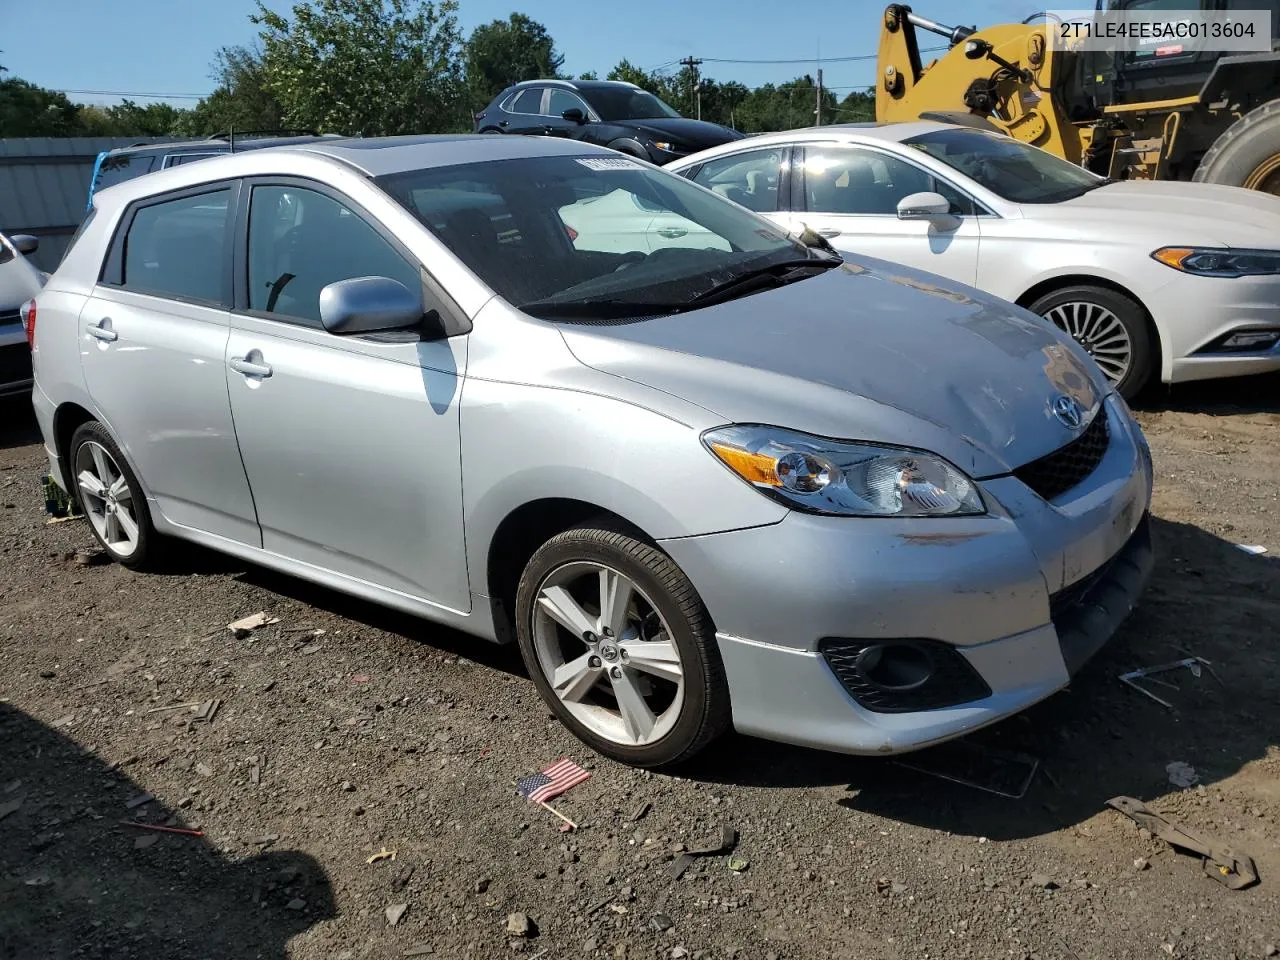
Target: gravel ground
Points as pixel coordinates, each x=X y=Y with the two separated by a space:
x=345 y=730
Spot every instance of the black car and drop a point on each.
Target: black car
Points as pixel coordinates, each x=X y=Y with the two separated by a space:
x=605 y=112
x=125 y=163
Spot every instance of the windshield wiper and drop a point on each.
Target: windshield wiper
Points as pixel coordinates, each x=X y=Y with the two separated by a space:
x=739 y=285
x=773 y=275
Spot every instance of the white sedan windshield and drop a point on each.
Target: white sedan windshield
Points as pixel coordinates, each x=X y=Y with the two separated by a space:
x=1008 y=168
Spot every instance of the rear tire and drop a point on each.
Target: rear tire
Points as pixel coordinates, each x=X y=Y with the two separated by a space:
x=646 y=686
x=111 y=498
x=1111 y=327
x=1247 y=154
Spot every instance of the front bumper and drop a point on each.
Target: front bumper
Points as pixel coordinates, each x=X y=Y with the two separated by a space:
x=1195 y=312
x=1024 y=594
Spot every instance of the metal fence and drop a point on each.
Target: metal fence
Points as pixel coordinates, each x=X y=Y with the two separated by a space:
x=44 y=187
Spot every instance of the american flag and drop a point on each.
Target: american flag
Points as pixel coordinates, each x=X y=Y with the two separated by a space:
x=551 y=782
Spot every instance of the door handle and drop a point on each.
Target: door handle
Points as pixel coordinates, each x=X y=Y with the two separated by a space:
x=102 y=331
x=249 y=368
x=504 y=123
x=828 y=232
x=672 y=233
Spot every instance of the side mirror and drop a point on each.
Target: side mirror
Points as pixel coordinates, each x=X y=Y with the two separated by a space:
x=923 y=206
x=369 y=305
x=812 y=238
x=575 y=115
x=24 y=243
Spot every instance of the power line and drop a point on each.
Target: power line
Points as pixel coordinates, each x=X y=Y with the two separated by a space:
x=867 y=56
x=139 y=94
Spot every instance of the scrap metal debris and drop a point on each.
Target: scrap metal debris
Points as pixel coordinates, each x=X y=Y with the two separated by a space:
x=725 y=843
x=246 y=625
x=1192 y=664
x=1005 y=773
x=1254 y=549
x=1181 y=775
x=679 y=865
x=1233 y=869
x=155 y=826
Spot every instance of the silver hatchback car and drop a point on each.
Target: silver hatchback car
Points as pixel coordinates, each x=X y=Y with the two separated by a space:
x=703 y=472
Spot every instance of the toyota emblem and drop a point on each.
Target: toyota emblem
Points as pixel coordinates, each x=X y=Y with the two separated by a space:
x=1066 y=410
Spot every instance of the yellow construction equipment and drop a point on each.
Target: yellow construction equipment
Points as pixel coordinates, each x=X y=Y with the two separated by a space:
x=1168 y=113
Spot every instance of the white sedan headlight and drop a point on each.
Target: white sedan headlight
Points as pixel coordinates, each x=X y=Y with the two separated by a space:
x=1220 y=261
x=835 y=477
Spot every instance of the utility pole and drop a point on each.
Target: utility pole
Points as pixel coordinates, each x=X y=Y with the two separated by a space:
x=818 y=111
x=695 y=81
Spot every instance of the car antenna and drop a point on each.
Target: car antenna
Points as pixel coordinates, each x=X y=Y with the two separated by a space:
x=231 y=137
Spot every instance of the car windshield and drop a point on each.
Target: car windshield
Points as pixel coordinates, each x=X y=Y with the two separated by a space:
x=577 y=236
x=624 y=103
x=1008 y=168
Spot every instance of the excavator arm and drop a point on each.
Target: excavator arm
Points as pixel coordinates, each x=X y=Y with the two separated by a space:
x=1002 y=75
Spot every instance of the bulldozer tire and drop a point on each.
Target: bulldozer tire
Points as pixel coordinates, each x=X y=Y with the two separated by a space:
x=1248 y=153
x=1111 y=327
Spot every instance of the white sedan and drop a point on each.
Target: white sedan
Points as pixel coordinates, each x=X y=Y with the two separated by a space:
x=1175 y=280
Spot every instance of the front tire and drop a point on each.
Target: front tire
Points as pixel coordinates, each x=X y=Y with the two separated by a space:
x=621 y=648
x=1111 y=327
x=111 y=498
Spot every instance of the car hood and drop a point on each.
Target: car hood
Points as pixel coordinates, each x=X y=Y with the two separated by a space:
x=869 y=351
x=1184 y=212
x=694 y=134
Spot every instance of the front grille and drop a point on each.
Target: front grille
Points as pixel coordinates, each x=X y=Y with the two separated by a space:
x=1053 y=475
x=953 y=680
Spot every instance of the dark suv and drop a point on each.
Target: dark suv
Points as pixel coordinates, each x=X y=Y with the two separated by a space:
x=605 y=112
x=125 y=163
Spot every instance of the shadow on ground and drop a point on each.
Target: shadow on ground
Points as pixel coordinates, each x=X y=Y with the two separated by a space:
x=75 y=883
x=1098 y=738
x=17 y=423
x=1257 y=394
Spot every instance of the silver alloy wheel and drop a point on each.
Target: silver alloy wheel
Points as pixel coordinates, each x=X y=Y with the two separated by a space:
x=106 y=498
x=608 y=653
x=1099 y=331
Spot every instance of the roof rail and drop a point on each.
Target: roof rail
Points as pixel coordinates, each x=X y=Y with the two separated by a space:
x=238 y=134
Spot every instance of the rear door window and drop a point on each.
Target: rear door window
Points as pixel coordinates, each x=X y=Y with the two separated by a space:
x=527 y=101
x=177 y=248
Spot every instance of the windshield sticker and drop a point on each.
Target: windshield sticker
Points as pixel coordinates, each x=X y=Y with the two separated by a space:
x=609 y=163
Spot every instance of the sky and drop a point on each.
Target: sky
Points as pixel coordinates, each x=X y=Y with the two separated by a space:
x=155 y=49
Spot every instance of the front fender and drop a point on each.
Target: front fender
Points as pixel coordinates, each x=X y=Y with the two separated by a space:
x=523 y=443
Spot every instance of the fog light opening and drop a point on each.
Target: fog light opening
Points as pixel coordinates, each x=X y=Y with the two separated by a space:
x=1244 y=341
x=896 y=666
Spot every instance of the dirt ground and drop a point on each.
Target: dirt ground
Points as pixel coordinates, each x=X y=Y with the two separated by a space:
x=385 y=732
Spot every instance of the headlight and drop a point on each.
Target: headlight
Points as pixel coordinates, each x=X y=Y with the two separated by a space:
x=1220 y=261
x=664 y=145
x=846 y=479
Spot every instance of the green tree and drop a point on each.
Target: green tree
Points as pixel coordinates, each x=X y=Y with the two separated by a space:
x=27 y=110
x=129 y=119
x=240 y=100
x=858 y=106
x=371 y=67
x=504 y=52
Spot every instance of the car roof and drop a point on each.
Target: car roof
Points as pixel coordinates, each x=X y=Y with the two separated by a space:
x=370 y=156
x=578 y=84
x=854 y=132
